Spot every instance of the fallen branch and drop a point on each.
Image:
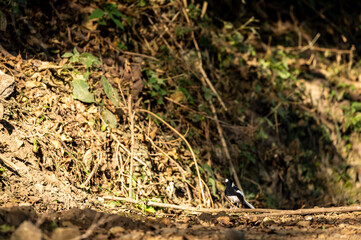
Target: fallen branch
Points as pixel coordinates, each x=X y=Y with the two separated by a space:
x=188 y=208
x=309 y=211
x=130 y=53
x=319 y=49
x=266 y=212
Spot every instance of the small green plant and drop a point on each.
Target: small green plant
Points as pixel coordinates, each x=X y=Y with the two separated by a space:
x=145 y=208
x=208 y=93
x=111 y=12
x=87 y=59
x=156 y=86
x=352 y=117
x=142 y=3
x=81 y=73
x=278 y=67
x=2 y=170
x=6 y=229
x=194 y=11
x=114 y=203
x=148 y=209
x=211 y=180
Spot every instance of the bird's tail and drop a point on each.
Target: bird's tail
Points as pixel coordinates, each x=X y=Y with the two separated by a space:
x=247 y=204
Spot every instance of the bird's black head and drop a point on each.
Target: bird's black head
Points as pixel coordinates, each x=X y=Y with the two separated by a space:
x=228 y=180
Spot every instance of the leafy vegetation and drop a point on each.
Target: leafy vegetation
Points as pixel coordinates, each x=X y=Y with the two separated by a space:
x=110 y=12
x=241 y=85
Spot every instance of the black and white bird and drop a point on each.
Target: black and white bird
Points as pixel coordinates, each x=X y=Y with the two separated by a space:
x=235 y=195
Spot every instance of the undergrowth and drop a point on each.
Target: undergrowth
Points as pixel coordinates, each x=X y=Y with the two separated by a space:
x=217 y=83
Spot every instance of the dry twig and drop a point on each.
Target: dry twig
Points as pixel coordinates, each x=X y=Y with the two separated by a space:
x=131 y=119
x=310 y=211
x=126 y=150
x=130 y=53
x=12 y=167
x=93 y=171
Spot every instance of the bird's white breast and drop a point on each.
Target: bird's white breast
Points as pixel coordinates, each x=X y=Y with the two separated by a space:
x=233 y=199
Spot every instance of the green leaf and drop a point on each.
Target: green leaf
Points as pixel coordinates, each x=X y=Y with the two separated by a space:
x=208 y=94
x=118 y=23
x=81 y=91
x=356 y=106
x=116 y=13
x=149 y=209
x=162 y=92
x=4 y=228
x=67 y=54
x=109 y=118
x=283 y=74
x=74 y=58
x=102 y=22
x=142 y=3
x=111 y=93
x=109 y=8
x=160 y=101
x=209 y=170
x=156 y=87
x=212 y=182
x=188 y=95
x=121 y=46
x=249 y=156
x=75 y=51
x=89 y=59
x=152 y=80
x=161 y=81
x=86 y=75
x=97 y=13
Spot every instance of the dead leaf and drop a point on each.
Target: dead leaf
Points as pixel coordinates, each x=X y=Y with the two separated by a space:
x=177 y=96
x=153 y=133
x=7 y=85
x=88 y=159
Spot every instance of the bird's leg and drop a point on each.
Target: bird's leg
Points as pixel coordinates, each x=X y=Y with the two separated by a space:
x=234 y=206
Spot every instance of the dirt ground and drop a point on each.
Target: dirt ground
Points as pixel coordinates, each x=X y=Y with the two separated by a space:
x=18 y=222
